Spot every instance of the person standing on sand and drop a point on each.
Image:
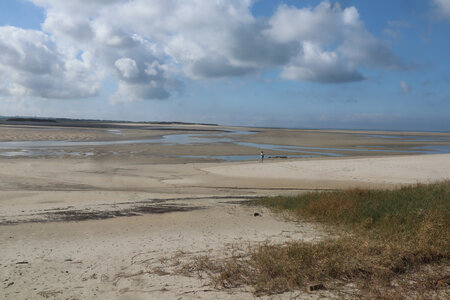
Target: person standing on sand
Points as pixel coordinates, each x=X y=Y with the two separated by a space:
x=262 y=156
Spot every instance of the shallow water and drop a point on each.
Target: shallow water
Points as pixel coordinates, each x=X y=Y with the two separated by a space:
x=34 y=153
x=243 y=157
x=441 y=149
x=47 y=148
x=115 y=131
x=301 y=149
x=410 y=138
x=171 y=139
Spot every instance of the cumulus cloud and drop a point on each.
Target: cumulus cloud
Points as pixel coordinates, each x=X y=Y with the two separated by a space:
x=327 y=27
x=127 y=67
x=315 y=64
x=149 y=45
x=32 y=65
x=317 y=25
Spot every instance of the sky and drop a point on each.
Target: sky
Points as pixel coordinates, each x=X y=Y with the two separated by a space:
x=358 y=64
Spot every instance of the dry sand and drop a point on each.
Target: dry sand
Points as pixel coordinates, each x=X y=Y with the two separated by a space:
x=110 y=227
x=352 y=172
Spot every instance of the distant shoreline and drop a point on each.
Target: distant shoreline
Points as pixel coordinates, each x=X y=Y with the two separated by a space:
x=55 y=120
x=16 y=119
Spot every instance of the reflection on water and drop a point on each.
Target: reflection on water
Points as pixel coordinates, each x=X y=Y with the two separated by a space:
x=34 y=153
x=301 y=149
x=47 y=148
x=410 y=138
x=115 y=131
x=244 y=157
x=171 y=139
x=442 y=149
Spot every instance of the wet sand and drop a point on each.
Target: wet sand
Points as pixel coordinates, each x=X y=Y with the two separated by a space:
x=107 y=225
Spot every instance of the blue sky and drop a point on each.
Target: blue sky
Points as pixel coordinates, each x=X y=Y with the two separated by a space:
x=306 y=64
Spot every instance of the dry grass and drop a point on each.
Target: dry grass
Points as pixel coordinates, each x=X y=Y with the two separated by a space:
x=393 y=243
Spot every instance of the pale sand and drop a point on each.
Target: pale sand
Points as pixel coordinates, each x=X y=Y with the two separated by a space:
x=114 y=258
x=174 y=212
x=354 y=171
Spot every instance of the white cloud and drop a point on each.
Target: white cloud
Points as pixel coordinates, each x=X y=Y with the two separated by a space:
x=322 y=24
x=443 y=8
x=147 y=44
x=137 y=92
x=405 y=87
x=315 y=64
x=127 y=67
x=77 y=27
x=32 y=65
x=349 y=45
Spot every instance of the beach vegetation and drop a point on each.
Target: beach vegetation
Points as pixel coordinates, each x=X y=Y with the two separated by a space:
x=390 y=244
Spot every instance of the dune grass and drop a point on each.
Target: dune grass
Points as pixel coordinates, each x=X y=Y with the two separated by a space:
x=392 y=243
x=387 y=214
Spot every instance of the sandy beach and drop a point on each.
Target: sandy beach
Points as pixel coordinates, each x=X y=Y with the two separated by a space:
x=113 y=221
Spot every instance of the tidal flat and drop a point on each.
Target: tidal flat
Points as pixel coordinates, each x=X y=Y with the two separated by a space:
x=106 y=210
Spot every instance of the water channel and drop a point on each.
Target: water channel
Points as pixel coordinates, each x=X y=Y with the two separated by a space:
x=66 y=148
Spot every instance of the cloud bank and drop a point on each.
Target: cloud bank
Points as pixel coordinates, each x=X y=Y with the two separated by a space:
x=150 y=47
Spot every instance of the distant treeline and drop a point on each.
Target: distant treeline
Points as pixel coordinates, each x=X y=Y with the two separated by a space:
x=55 y=120
x=30 y=120
x=179 y=123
